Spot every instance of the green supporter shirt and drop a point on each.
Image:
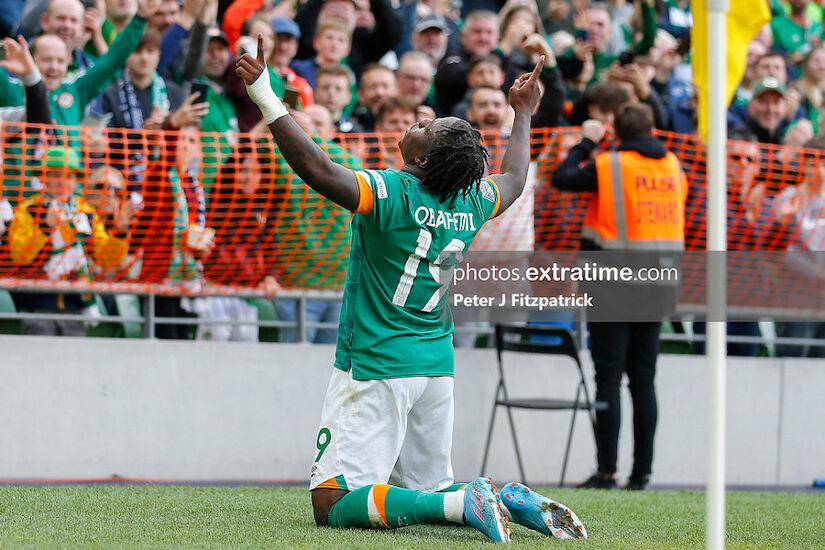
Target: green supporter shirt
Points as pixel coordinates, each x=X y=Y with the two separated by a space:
x=792 y=38
x=394 y=324
x=69 y=100
x=315 y=250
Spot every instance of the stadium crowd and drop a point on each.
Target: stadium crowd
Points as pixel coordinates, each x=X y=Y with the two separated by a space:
x=144 y=158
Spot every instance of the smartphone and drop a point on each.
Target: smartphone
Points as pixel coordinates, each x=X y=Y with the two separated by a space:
x=200 y=87
x=3 y=52
x=291 y=96
x=247 y=44
x=582 y=35
x=626 y=58
x=88 y=4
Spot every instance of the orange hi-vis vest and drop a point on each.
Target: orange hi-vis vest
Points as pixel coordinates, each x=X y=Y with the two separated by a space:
x=640 y=204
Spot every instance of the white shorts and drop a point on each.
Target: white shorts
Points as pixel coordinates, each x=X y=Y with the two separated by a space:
x=397 y=431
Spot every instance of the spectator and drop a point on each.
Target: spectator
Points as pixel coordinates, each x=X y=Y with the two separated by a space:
x=113 y=213
x=69 y=98
x=551 y=108
x=325 y=251
x=770 y=65
x=485 y=71
x=332 y=42
x=489 y=110
x=749 y=219
x=321 y=120
x=19 y=61
x=810 y=86
x=626 y=347
x=141 y=94
x=247 y=112
x=287 y=34
x=53 y=230
x=396 y=115
x=181 y=33
x=598 y=29
x=415 y=79
x=217 y=66
x=172 y=226
x=167 y=14
x=374 y=25
x=557 y=15
x=242 y=209
x=118 y=15
x=795 y=32
x=334 y=91
x=800 y=209
x=479 y=38
x=68 y=20
x=766 y=111
x=518 y=20
x=601 y=102
x=677 y=18
x=430 y=36
x=637 y=84
x=376 y=85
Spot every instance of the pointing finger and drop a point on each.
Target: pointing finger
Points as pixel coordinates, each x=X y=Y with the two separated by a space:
x=537 y=70
x=260 y=57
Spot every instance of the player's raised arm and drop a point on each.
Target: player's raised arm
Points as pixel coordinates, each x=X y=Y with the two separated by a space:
x=524 y=96
x=308 y=160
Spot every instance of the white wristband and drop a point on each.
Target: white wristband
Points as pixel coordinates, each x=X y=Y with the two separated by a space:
x=261 y=93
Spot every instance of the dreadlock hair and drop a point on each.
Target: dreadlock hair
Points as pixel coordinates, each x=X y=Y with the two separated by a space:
x=457 y=163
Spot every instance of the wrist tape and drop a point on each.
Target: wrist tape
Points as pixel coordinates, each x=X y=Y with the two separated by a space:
x=261 y=93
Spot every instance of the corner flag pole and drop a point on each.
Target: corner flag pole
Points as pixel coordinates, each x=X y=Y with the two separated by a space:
x=716 y=277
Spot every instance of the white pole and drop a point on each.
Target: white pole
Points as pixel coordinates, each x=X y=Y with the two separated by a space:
x=717 y=244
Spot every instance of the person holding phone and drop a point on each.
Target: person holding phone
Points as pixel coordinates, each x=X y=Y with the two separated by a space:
x=141 y=98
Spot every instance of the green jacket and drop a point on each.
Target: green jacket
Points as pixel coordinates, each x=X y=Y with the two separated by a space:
x=69 y=100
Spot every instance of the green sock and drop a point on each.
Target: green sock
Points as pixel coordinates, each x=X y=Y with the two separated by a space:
x=388 y=507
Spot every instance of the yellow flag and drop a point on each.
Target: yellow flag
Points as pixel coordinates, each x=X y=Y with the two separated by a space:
x=745 y=18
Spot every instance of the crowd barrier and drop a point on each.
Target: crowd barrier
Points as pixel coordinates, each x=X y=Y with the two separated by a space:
x=160 y=197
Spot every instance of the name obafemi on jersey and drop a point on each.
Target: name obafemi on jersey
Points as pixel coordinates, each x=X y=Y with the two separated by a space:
x=393 y=322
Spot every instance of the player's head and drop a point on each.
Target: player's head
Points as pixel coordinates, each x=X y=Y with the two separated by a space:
x=449 y=154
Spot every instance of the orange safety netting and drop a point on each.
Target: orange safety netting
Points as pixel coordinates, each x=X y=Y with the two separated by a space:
x=142 y=212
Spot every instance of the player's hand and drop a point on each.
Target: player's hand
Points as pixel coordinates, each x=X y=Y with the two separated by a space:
x=249 y=69
x=18 y=58
x=593 y=130
x=147 y=8
x=525 y=92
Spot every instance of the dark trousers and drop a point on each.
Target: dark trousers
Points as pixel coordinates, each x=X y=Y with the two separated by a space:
x=619 y=348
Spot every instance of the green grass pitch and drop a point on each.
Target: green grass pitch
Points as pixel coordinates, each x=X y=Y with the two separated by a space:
x=138 y=517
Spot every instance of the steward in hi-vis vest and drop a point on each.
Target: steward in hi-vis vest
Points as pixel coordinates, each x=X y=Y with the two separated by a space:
x=635 y=223
x=640 y=203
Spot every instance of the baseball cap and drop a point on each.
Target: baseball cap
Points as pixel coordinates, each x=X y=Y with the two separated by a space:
x=768 y=84
x=214 y=33
x=431 y=22
x=61 y=157
x=285 y=25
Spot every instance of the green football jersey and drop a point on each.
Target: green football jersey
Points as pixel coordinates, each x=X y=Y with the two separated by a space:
x=394 y=321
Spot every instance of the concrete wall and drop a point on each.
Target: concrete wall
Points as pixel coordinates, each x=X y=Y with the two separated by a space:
x=209 y=411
